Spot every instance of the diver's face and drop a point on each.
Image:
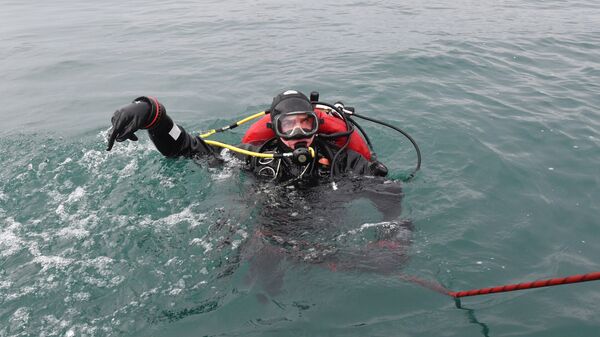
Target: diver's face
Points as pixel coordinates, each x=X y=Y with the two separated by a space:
x=293 y=123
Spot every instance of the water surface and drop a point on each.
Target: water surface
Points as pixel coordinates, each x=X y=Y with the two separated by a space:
x=502 y=97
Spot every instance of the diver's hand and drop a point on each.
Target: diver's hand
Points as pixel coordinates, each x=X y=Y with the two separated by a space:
x=127 y=120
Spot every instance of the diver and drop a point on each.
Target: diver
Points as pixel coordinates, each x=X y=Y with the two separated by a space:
x=293 y=124
x=297 y=143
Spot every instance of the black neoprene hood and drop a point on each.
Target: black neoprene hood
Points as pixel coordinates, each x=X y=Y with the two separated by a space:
x=290 y=101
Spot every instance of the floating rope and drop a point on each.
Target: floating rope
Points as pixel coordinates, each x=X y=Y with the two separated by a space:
x=528 y=285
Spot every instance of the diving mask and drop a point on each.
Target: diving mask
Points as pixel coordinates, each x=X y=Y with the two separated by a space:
x=296 y=124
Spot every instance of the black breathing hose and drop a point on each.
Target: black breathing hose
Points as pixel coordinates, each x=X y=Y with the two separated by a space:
x=350 y=124
x=363 y=133
x=412 y=175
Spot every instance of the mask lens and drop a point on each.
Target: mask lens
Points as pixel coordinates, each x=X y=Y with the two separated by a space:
x=297 y=124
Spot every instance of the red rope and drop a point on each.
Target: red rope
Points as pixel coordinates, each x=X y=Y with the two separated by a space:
x=528 y=285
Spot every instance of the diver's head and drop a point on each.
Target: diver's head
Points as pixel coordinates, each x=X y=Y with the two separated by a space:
x=293 y=119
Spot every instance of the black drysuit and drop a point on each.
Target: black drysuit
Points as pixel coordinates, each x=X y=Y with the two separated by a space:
x=277 y=223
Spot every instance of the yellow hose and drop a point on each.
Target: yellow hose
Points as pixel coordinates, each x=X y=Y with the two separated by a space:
x=256 y=115
x=238 y=150
x=213 y=131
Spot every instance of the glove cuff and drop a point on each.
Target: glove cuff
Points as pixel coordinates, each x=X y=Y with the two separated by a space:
x=157 y=111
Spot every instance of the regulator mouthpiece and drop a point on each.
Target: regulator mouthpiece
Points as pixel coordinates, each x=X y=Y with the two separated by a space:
x=302 y=154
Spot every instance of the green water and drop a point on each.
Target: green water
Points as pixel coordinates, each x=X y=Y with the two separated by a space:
x=502 y=97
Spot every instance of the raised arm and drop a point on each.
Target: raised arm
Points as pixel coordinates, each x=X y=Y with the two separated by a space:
x=149 y=114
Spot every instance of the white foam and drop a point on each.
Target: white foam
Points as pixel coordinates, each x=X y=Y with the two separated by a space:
x=48 y=262
x=226 y=171
x=81 y=296
x=242 y=233
x=66 y=161
x=186 y=215
x=34 y=249
x=19 y=318
x=148 y=293
x=235 y=244
x=92 y=159
x=90 y=220
x=166 y=182
x=53 y=325
x=175 y=292
x=200 y=284
x=100 y=283
x=115 y=281
x=54 y=195
x=24 y=291
x=42 y=166
x=391 y=224
x=21 y=176
x=73 y=233
x=10 y=242
x=129 y=169
x=85 y=329
x=178 y=288
x=171 y=261
x=369 y=225
x=76 y=195
x=203 y=243
x=60 y=211
x=102 y=264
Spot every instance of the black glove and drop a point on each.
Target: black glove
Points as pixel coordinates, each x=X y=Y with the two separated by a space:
x=127 y=120
x=378 y=168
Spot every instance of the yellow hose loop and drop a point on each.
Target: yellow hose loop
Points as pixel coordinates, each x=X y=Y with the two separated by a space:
x=213 y=131
x=238 y=150
x=209 y=133
x=256 y=115
x=311 y=151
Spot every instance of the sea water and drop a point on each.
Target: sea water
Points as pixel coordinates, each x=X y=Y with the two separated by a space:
x=501 y=96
